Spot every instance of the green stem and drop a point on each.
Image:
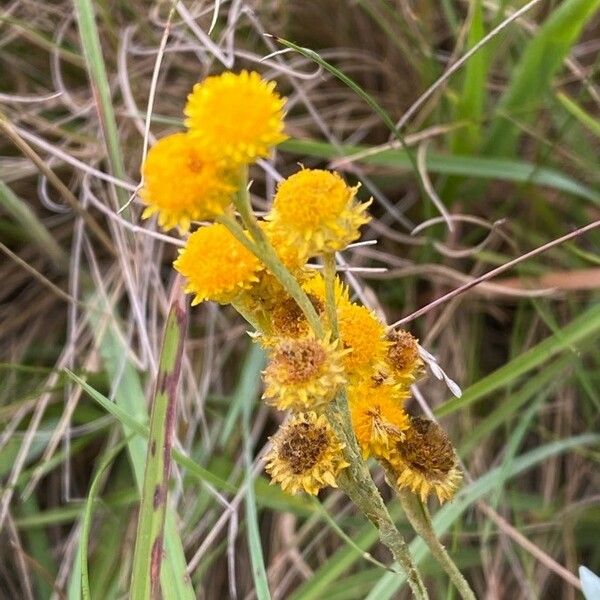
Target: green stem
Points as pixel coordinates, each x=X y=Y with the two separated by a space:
x=356 y=480
x=329 y=276
x=419 y=518
x=263 y=249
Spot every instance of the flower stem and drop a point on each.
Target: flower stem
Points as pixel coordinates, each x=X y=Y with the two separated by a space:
x=329 y=276
x=263 y=249
x=356 y=480
x=419 y=518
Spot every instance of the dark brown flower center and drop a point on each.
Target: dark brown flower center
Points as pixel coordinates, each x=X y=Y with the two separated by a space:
x=403 y=351
x=303 y=446
x=427 y=448
x=288 y=318
x=300 y=361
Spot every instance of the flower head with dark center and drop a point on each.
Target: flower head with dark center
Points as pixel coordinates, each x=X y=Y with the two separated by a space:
x=306 y=455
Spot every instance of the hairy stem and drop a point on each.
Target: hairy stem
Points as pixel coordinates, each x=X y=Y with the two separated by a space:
x=356 y=480
x=419 y=518
x=263 y=249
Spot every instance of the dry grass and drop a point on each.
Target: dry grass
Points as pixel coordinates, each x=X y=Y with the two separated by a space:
x=86 y=287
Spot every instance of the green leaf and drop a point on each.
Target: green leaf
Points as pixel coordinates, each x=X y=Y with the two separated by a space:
x=248 y=390
x=35 y=230
x=147 y=557
x=129 y=396
x=130 y=424
x=92 y=51
x=583 y=327
x=471 y=102
x=532 y=77
x=448 y=164
x=86 y=524
x=587 y=120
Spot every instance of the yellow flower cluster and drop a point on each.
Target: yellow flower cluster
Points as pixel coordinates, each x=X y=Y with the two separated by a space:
x=233 y=120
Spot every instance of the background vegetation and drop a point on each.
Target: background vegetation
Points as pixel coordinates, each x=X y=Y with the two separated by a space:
x=506 y=142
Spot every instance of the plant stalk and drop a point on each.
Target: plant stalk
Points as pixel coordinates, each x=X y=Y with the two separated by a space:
x=356 y=480
x=419 y=518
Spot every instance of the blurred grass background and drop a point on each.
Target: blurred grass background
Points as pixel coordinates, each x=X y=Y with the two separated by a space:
x=507 y=144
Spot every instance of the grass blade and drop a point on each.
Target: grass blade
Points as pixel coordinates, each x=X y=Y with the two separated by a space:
x=247 y=390
x=447 y=164
x=587 y=120
x=131 y=424
x=533 y=75
x=577 y=331
x=92 y=51
x=20 y=212
x=87 y=520
x=129 y=396
x=147 y=558
x=471 y=102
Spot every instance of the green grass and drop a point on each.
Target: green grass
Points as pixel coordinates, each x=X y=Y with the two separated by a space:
x=513 y=135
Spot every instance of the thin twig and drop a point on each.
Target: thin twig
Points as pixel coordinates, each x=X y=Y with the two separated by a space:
x=491 y=274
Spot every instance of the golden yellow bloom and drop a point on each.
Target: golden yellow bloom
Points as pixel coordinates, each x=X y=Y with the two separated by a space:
x=303 y=373
x=315 y=286
x=378 y=417
x=364 y=334
x=182 y=184
x=306 y=455
x=403 y=355
x=318 y=211
x=292 y=256
x=237 y=117
x=426 y=461
x=216 y=265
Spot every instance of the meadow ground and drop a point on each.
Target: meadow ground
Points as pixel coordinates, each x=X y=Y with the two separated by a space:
x=474 y=126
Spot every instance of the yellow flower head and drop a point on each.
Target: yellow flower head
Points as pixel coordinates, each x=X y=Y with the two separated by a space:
x=288 y=320
x=318 y=211
x=182 y=184
x=216 y=265
x=364 y=335
x=378 y=417
x=315 y=286
x=403 y=355
x=292 y=256
x=303 y=373
x=237 y=117
x=306 y=455
x=426 y=462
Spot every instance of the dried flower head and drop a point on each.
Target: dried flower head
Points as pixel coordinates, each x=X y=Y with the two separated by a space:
x=236 y=117
x=426 y=461
x=403 y=355
x=317 y=211
x=364 y=335
x=217 y=266
x=303 y=373
x=306 y=455
x=182 y=184
x=288 y=320
x=378 y=417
